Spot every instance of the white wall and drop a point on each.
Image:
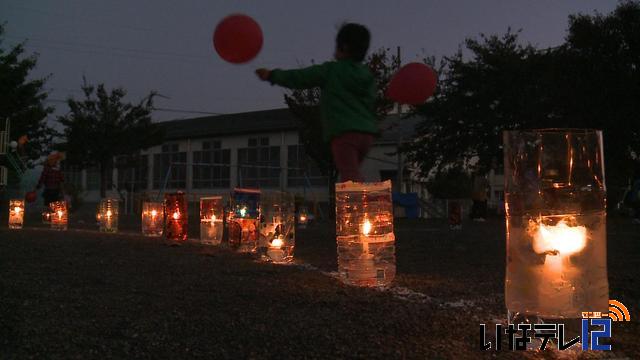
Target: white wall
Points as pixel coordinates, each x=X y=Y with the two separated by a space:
x=378 y=159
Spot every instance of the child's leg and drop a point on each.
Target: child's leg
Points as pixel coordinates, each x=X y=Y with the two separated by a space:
x=348 y=151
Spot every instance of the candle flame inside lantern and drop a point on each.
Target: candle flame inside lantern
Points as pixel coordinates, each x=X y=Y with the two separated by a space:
x=366 y=227
x=558 y=242
x=213 y=218
x=176 y=215
x=17 y=210
x=108 y=213
x=154 y=213
x=243 y=211
x=303 y=218
x=277 y=243
x=60 y=213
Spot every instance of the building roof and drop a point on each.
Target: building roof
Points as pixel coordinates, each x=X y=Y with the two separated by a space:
x=393 y=128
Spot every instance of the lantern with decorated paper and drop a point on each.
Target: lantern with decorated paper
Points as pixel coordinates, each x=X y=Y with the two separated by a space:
x=16 y=213
x=211 y=216
x=58 y=215
x=277 y=226
x=556 y=224
x=243 y=222
x=364 y=230
x=175 y=217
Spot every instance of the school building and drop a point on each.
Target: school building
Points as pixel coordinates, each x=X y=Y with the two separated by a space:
x=259 y=149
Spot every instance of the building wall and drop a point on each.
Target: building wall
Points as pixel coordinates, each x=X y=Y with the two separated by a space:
x=381 y=158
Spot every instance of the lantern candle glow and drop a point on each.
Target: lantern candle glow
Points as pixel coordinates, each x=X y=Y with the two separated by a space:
x=16 y=213
x=176 y=216
x=58 y=215
x=211 y=216
x=277 y=228
x=108 y=215
x=152 y=218
x=555 y=198
x=303 y=217
x=243 y=223
x=364 y=229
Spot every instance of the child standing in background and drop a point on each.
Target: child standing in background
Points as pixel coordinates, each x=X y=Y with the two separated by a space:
x=347 y=102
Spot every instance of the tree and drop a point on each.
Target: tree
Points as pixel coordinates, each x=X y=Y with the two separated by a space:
x=499 y=88
x=304 y=105
x=590 y=81
x=103 y=126
x=23 y=99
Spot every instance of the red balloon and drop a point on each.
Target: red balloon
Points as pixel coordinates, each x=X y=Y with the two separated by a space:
x=31 y=196
x=413 y=84
x=237 y=38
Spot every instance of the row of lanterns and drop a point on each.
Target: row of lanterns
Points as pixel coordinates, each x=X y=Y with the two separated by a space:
x=555 y=197
x=262 y=222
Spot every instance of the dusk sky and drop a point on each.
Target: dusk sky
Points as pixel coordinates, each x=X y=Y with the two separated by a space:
x=164 y=45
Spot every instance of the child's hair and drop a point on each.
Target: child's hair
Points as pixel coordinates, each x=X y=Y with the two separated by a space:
x=353 y=39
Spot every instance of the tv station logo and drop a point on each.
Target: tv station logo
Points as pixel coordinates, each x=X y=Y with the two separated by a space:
x=595 y=326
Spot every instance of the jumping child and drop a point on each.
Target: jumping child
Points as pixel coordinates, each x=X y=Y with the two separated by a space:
x=348 y=93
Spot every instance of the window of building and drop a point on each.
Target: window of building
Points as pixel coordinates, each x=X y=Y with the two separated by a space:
x=211 y=166
x=299 y=166
x=133 y=172
x=259 y=164
x=173 y=162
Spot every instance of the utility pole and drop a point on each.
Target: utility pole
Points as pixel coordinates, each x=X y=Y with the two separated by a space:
x=399 y=177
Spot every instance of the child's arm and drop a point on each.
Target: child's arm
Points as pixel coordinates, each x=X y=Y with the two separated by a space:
x=304 y=78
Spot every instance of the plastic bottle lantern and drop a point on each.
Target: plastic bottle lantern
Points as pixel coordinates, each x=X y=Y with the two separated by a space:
x=175 y=216
x=277 y=227
x=303 y=217
x=243 y=224
x=152 y=218
x=364 y=229
x=556 y=232
x=46 y=216
x=16 y=213
x=58 y=215
x=211 y=216
x=108 y=215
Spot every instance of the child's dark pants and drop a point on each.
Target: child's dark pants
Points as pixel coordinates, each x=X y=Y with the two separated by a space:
x=349 y=150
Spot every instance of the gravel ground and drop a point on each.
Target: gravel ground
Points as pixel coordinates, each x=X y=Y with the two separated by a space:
x=82 y=294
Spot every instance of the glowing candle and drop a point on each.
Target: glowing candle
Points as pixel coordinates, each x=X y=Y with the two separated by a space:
x=151 y=220
x=108 y=215
x=211 y=214
x=16 y=214
x=59 y=215
x=557 y=277
x=176 y=216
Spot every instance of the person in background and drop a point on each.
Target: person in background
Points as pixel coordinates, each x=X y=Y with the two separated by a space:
x=479 y=197
x=52 y=179
x=347 y=101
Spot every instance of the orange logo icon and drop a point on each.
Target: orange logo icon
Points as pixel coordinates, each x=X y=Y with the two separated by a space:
x=617 y=311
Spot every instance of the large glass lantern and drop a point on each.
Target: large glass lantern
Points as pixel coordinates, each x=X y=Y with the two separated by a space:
x=277 y=226
x=175 y=213
x=152 y=218
x=16 y=213
x=58 y=215
x=243 y=220
x=364 y=229
x=108 y=215
x=556 y=231
x=211 y=216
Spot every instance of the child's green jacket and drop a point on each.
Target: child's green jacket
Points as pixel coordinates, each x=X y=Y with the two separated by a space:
x=348 y=94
